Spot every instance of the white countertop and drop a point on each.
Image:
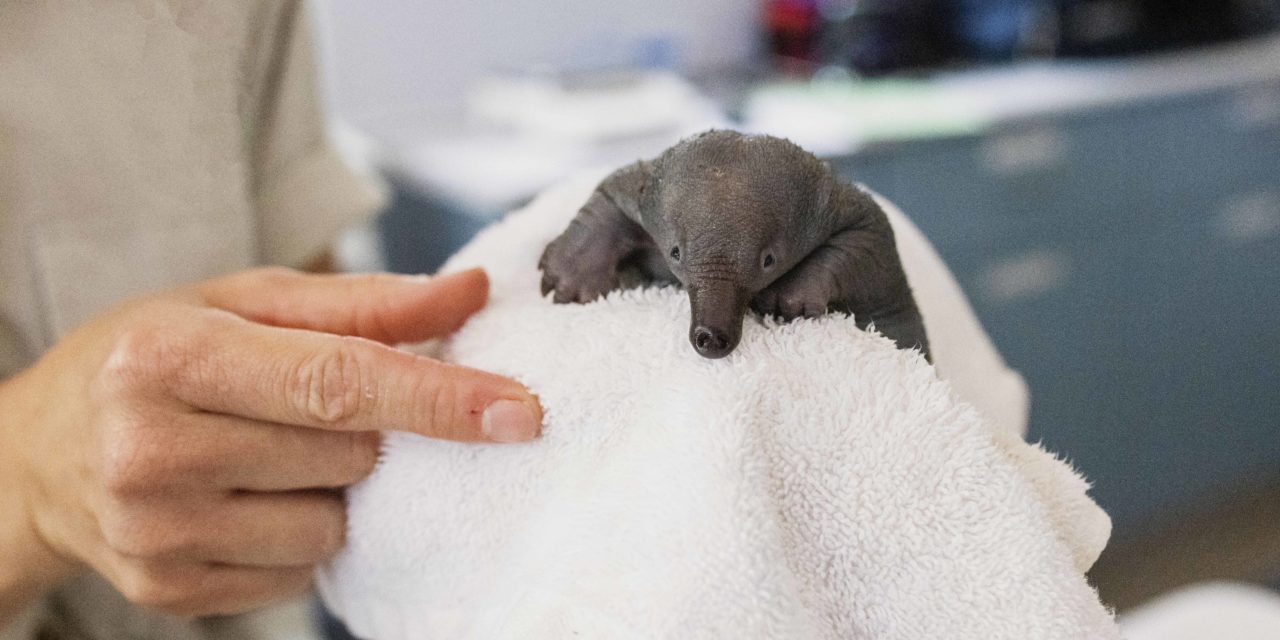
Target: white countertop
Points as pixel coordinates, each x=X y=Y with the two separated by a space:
x=488 y=170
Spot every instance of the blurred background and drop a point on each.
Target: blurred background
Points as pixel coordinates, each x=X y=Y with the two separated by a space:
x=1102 y=176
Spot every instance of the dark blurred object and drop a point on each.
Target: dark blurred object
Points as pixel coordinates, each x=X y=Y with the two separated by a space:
x=1002 y=30
x=793 y=27
x=876 y=37
x=1115 y=27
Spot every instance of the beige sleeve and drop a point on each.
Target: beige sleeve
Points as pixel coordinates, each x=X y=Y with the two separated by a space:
x=304 y=192
x=13 y=357
x=26 y=625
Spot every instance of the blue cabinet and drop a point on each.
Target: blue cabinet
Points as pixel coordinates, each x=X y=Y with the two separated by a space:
x=1127 y=261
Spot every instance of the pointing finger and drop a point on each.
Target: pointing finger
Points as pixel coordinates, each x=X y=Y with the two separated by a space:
x=383 y=307
x=311 y=379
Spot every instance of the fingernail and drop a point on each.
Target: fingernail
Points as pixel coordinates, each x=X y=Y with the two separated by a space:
x=509 y=421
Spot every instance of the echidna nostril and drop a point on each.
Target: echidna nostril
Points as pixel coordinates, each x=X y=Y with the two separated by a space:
x=710 y=342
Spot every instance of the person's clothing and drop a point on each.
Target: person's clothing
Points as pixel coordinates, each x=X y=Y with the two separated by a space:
x=144 y=144
x=149 y=142
x=331 y=628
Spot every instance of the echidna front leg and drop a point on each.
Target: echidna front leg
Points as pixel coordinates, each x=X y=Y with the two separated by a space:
x=856 y=270
x=582 y=263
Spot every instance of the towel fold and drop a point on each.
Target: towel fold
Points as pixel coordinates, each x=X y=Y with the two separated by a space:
x=817 y=483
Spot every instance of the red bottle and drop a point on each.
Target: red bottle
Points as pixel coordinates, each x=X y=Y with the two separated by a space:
x=793 y=27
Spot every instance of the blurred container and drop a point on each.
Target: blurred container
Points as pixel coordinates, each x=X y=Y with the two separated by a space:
x=1115 y=27
x=793 y=28
x=877 y=37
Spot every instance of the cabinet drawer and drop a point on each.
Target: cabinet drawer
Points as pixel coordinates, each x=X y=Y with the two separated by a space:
x=1151 y=361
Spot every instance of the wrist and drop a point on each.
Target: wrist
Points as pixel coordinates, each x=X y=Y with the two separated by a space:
x=29 y=568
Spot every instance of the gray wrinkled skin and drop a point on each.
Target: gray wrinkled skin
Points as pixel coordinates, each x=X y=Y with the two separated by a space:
x=740 y=221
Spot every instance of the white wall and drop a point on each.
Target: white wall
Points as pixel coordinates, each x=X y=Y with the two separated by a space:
x=389 y=59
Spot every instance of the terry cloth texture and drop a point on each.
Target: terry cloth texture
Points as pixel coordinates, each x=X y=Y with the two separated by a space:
x=817 y=483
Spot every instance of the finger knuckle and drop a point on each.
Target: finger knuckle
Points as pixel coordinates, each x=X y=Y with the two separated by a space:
x=145 y=585
x=328 y=387
x=141 y=589
x=141 y=354
x=137 y=534
x=440 y=398
x=130 y=459
x=323 y=532
x=118 y=529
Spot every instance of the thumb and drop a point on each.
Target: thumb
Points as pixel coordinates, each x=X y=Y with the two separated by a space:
x=384 y=307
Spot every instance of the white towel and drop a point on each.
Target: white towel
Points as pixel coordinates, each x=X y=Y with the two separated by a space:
x=817 y=483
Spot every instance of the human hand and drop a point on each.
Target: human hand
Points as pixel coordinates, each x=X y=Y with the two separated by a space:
x=190 y=446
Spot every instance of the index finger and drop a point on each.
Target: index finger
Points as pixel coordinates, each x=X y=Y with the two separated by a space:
x=379 y=306
x=323 y=381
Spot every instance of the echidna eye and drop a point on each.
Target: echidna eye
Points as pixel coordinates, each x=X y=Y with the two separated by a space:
x=675 y=253
x=768 y=260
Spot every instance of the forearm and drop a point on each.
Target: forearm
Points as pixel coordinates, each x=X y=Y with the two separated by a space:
x=28 y=568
